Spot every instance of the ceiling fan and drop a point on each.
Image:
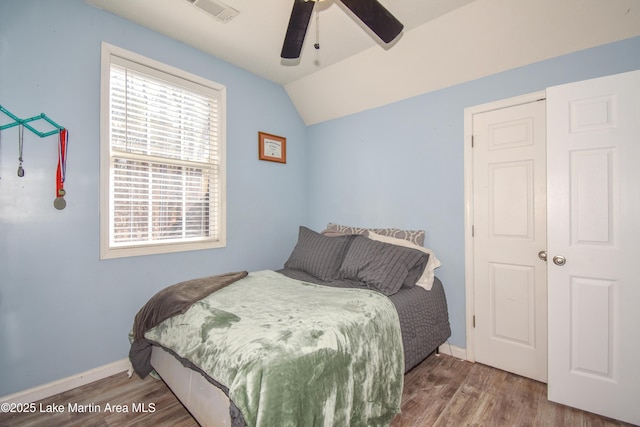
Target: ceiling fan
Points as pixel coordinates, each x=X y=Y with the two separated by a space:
x=370 y=12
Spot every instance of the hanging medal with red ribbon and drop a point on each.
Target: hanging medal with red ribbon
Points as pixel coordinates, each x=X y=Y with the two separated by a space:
x=63 y=139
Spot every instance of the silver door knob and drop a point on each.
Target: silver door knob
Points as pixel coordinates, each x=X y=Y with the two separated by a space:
x=543 y=255
x=559 y=260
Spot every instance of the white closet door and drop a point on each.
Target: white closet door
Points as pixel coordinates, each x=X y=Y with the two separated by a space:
x=509 y=222
x=593 y=202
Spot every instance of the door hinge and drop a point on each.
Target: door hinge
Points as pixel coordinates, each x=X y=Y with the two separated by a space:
x=474 y=320
x=471 y=141
x=473 y=231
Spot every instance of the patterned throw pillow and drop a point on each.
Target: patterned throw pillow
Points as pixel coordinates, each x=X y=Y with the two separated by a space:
x=415 y=236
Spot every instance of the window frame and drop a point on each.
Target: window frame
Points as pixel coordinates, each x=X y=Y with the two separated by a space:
x=107 y=251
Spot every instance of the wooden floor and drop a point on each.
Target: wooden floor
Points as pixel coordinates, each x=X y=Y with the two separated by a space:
x=441 y=391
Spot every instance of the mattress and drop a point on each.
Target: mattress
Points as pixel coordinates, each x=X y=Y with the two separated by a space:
x=208 y=404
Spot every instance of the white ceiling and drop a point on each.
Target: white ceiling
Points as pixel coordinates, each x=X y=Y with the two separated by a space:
x=253 y=39
x=445 y=42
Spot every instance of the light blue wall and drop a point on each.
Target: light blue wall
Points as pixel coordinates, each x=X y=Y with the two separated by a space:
x=62 y=310
x=401 y=165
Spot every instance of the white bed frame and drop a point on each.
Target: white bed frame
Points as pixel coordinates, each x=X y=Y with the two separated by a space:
x=206 y=402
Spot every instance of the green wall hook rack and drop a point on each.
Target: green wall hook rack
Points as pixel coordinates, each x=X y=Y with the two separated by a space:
x=25 y=122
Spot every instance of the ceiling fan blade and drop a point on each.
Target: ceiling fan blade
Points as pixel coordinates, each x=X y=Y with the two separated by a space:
x=376 y=17
x=297 y=29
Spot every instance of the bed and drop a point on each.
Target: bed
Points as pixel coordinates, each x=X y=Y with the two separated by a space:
x=324 y=341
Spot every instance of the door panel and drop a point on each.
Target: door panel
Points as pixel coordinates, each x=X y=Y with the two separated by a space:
x=592 y=326
x=594 y=222
x=509 y=217
x=511 y=200
x=513 y=298
x=592 y=179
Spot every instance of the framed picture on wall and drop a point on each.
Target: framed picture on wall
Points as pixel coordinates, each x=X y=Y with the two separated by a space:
x=272 y=147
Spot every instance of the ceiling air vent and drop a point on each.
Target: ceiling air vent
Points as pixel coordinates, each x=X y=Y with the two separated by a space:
x=217 y=9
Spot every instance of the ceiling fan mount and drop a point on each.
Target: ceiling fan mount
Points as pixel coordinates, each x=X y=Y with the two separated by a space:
x=373 y=14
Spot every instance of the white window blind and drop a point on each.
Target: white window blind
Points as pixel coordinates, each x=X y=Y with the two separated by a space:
x=166 y=185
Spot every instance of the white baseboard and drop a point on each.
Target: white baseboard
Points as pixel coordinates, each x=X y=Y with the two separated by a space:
x=452 y=350
x=50 y=389
x=65 y=384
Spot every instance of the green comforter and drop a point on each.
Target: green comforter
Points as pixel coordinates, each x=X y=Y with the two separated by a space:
x=294 y=353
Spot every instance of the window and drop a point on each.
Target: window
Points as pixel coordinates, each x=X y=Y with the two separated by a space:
x=162 y=158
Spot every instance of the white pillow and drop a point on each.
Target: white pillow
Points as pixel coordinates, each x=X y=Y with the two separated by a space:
x=426 y=280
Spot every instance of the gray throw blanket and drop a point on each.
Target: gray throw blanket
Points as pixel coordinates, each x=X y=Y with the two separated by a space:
x=169 y=302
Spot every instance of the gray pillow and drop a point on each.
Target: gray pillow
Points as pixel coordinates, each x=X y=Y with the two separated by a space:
x=317 y=254
x=382 y=266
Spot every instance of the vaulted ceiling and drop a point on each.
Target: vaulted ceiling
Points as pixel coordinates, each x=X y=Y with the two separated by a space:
x=444 y=42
